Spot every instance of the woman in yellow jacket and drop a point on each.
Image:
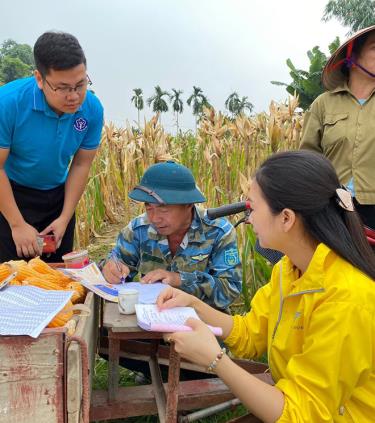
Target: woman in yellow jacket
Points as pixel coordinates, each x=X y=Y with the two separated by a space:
x=316 y=316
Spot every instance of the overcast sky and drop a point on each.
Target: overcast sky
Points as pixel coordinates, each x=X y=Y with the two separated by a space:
x=219 y=45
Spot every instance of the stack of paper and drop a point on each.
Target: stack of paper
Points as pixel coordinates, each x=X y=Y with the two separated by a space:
x=91 y=277
x=169 y=320
x=27 y=310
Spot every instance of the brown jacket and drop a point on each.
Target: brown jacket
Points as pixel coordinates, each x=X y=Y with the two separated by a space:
x=344 y=131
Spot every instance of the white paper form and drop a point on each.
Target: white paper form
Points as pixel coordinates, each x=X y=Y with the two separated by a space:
x=148 y=292
x=90 y=273
x=91 y=277
x=27 y=310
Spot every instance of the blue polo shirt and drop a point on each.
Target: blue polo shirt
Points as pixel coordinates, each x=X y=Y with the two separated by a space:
x=41 y=143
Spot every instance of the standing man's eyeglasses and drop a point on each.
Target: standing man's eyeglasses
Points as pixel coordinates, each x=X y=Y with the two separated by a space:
x=65 y=90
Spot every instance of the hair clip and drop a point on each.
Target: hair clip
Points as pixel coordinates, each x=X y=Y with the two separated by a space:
x=344 y=199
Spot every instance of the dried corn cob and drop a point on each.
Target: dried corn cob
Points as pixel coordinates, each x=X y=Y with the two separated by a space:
x=53 y=275
x=40 y=266
x=79 y=292
x=41 y=282
x=76 y=297
x=54 y=279
x=5 y=271
x=15 y=264
x=63 y=317
x=24 y=272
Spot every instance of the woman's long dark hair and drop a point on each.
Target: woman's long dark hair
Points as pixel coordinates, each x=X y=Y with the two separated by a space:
x=306 y=183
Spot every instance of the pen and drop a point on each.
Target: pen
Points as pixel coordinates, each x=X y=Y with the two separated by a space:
x=117 y=262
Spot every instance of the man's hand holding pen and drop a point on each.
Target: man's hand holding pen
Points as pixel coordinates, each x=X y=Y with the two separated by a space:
x=115 y=271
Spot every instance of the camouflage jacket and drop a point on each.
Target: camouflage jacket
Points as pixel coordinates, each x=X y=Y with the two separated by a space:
x=207 y=258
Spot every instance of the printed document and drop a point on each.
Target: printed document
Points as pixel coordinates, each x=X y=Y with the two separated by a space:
x=27 y=310
x=91 y=277
x=169 y=320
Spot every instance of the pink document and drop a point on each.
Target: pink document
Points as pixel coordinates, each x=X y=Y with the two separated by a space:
x=170 y=320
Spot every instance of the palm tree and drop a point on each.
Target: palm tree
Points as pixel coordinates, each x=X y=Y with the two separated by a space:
x=159 y=105
x=243 y=104
x=137 y=99
x=236 y=105
x=177 y=104
x=199 y=101
x=231 y=103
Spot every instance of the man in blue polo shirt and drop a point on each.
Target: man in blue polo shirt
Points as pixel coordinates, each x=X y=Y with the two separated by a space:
x=50 y=129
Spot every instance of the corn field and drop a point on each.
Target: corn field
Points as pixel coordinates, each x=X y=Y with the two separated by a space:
x=222 y=156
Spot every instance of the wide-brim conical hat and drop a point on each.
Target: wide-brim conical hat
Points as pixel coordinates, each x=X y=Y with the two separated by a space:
x=332 y=76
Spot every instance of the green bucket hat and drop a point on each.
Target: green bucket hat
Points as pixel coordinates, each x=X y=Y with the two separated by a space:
x=167 y=183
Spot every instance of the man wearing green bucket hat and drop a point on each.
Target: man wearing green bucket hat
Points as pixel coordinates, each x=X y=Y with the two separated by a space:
x=175 y=242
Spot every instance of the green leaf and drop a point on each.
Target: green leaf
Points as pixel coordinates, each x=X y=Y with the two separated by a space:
x=279 y=83
x=290 y=65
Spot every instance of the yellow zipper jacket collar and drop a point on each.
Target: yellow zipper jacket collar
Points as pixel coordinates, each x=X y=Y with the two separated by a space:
x=312 y=279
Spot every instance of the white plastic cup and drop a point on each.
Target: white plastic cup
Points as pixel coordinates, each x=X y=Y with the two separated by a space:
x=127 y=299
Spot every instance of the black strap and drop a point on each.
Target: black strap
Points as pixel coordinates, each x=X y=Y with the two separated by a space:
x=150 y=192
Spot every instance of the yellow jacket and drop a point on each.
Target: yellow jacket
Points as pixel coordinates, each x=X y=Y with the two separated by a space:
x=319 y=332
x=343 y=130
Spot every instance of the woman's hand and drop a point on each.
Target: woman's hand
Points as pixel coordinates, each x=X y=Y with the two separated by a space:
x=198 y=346
x=172 y=297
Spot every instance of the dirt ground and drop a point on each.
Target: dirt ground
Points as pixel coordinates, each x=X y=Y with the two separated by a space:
x=102 y=244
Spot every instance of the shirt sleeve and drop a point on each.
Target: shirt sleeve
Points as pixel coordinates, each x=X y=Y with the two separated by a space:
x=312 y=129
x=127 y=250
x=221 y=283
x=337 y=356
x=248 y=338
x=95 y=125
x=7 y=121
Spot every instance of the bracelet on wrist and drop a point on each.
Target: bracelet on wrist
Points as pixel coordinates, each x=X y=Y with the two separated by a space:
x=212 y=366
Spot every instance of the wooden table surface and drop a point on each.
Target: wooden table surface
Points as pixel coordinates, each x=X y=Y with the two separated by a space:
x=119 y=322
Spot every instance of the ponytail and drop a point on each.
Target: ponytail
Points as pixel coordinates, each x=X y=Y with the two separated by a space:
x=307 y=183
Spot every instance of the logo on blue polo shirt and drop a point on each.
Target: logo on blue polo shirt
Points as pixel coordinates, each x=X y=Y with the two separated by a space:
x=80 y=124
